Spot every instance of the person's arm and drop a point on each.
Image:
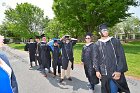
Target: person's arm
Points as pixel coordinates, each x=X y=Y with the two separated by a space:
x=95 y=60
x=74 y=41
x=82 y=56
x=13 y=78
x=95 y=57
x=61 y=39
x=26 y=47
x=60 y=44
x=121 y=65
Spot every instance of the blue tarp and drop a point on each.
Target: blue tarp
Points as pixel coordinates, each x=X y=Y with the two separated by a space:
x=50 y=43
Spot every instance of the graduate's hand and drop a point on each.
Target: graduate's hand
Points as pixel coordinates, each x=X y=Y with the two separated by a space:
x=62 y=38
x=98 y=74
x=116 y=75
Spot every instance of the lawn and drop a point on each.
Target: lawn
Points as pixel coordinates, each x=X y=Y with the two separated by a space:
x=17 y=46
x=132 y=51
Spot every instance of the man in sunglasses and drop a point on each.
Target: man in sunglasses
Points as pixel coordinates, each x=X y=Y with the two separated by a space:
x=110 y=63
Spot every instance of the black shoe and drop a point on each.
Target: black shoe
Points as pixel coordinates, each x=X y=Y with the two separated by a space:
x=69 y=79
x=61 y=80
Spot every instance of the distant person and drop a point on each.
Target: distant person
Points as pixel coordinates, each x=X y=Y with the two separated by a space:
x=67 y=56
x=56 y=58
x=45 y=55
x=110 y=63
x=8 y=83
x=31 y=47
x=38 y=53
x=87 y=61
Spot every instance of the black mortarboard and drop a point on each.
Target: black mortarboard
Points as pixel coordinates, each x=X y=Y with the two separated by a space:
x=67 y=36
x=89 y=34
x=103 y=27
x=43 y=35
x=37 y=37
x=31 y=38
x=55 y=41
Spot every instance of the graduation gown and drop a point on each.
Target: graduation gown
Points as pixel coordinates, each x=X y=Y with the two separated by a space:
x=67 y=53
x=88 y=65
x=32 y=51
x=56 y=55
x=108 y=58
x=26 y=47
x=45 y=55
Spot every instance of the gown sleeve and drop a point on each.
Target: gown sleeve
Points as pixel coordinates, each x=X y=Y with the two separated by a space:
x=121 y=59
x=95 y=58
x=82 y=55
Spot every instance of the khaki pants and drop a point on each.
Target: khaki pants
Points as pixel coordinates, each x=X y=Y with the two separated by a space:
x=67 y=72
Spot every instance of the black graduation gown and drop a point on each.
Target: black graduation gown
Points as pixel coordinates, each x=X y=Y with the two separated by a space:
x=109 y=57
x=88 y=65
x=45 y=55
x=56 y=55
x=32 y=51
x=26 y=47
x=67 y=53
x=38 y=53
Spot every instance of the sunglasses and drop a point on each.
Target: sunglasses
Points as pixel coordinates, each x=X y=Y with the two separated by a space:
x=87 y=38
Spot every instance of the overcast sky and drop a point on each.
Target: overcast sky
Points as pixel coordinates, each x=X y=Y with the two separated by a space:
x=44 y=5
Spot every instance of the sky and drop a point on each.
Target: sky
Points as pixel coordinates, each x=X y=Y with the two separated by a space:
x=45 y=5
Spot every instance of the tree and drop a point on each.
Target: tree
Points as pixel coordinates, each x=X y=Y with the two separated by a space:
x=53 y=28
x=5 y=31
x=25 y=20
x=127 y=26
x=87 y=15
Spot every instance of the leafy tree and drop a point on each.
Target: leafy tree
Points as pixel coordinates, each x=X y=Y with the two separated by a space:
x=25 y=20
x=87 y=15
x=127 y=26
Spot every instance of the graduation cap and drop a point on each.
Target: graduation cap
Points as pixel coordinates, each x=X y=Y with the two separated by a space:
x=103 y=27
x=67 y=36
x=55 y=41
x=31 y=38
x=37 y=37
x=89 y=34
x=43 y=35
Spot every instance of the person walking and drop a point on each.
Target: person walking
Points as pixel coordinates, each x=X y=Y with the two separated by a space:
x=32 y=51
x=87 y=61
x=45 y=55
x=37 y=54
x=110 y=63
x=56 y=58
x=67 y=56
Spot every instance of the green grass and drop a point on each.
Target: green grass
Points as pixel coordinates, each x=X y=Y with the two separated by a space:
x=132 y=52
x=17 y=46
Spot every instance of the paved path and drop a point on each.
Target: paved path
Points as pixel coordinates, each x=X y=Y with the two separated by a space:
x=32 y=81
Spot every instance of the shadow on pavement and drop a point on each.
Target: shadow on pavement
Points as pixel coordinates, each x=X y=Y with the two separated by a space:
x=77 y=84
